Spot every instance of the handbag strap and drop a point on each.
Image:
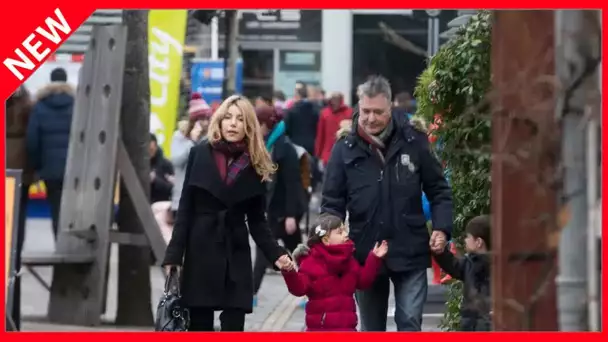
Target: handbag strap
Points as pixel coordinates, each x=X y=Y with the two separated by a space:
x=173 y=275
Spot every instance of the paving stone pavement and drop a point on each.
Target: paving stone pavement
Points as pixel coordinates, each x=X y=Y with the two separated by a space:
x=35 y=297
x=277 y=310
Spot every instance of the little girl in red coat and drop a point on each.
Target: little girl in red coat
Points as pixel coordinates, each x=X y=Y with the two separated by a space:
x=328 y=275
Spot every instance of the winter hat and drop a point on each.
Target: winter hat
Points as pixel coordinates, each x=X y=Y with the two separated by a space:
x=198 y=109
x=267 y=115
x=59 y=75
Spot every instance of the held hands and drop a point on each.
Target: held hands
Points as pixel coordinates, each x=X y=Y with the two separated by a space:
x=380 y=249
x=290 y=225
x=284 y=263
x=438 y=241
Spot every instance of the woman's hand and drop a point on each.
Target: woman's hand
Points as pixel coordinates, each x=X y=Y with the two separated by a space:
x=380 y=249
x=284 y=263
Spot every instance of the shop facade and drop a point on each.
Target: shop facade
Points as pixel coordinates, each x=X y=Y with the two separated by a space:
x=336 y=49
x=278 y=48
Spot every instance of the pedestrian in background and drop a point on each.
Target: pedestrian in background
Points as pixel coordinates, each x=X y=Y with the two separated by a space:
x=278 y=99
x=263 y=101
x=404 y=103
x=193 y=130
x=18 y=108
x=48 y=137
x=315 y=95
x=162 y=175
x=329 y=275
x=378 y=172
x=286 y=201
x=223 y=201
x=329 y=123
x=301 y=122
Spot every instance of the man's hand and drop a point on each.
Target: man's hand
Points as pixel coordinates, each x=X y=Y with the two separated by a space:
x=170 y=179
x=438 y=241
x=284 y=263
x=290 y=225
x=152 y=175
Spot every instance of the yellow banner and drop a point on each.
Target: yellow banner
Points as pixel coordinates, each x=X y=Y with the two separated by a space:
x=166 y=34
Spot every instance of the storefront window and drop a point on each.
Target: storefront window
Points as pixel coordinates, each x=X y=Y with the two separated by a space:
x=258 y=72
x=296 y=66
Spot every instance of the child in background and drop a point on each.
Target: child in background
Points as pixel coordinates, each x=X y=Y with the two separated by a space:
x=473 y=269
x=329 y=275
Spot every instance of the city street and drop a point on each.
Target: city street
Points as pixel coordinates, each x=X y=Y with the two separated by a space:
x=277 y=310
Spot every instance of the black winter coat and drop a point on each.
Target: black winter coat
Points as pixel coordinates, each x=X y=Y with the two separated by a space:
x=384 y=201
x=286 y=190
x=210 y=237
x=474 y=272
x=161 y=187
x=301 y=124
x=48 y=131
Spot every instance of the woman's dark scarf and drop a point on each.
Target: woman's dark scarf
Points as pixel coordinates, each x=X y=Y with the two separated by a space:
x=231 y=158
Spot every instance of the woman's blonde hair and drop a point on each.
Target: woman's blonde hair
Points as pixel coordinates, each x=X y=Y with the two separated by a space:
x=260 y=158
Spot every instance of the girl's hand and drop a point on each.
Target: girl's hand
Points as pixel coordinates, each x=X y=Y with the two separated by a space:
x=380 y=249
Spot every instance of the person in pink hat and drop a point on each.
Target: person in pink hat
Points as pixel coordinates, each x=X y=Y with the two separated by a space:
x=199 y=114
x=189 y=133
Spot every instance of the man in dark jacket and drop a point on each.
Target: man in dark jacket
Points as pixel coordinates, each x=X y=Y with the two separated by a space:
x=161 y=173
x=377 y=173
x=301 y=121
x=48 y=137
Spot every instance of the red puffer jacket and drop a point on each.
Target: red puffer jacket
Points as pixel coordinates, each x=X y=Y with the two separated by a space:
x=329 y=276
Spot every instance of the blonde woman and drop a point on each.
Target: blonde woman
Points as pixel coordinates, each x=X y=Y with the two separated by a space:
x=224 y=187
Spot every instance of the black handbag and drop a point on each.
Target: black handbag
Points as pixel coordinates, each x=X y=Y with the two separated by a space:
x=171 y=315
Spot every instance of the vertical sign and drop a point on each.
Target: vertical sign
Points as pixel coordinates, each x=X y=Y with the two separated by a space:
x=208 y=75
x=12 y=185
x=166 y=35
x=433 y=32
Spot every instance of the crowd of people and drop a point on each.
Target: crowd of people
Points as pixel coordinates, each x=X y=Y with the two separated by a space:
x=250 y=167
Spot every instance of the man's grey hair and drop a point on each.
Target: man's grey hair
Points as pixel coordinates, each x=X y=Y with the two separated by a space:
x=374 y=86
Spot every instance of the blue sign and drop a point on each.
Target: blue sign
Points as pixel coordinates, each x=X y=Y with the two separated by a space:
x=207 y=76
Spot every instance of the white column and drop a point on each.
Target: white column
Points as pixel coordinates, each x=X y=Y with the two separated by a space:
x=337 y=52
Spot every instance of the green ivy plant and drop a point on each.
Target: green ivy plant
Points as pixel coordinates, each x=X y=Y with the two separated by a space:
x=455 y=86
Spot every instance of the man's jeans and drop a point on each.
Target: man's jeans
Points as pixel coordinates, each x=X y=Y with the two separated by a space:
x=410 y=295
